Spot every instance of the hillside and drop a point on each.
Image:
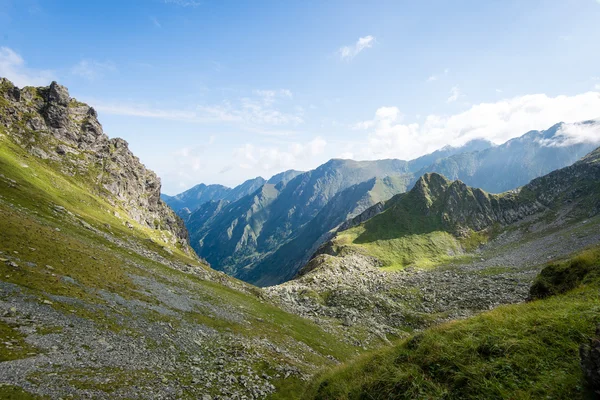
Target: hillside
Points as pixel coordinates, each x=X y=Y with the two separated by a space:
x=98 y=301
x=285 y=261
x=530 y=350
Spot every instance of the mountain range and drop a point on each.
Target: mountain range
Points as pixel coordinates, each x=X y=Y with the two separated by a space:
x=414 y=286
x=265 y=237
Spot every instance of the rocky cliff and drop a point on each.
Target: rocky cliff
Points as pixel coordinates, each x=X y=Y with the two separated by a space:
x=51 y=125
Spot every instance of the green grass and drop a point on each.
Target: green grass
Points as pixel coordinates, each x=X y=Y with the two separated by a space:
x=561 y=277
x=423 y=250
x=9 y=392
x=12 y=344
x=523 y=351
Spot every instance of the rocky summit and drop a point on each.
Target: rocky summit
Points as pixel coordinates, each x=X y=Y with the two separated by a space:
x=51 y=125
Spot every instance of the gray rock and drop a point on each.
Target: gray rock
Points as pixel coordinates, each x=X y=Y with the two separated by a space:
x=590 y=362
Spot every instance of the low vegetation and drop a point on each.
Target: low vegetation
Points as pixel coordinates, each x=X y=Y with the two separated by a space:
x=523 y=351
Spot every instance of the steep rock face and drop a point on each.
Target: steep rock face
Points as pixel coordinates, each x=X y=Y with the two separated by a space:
x=51 y=125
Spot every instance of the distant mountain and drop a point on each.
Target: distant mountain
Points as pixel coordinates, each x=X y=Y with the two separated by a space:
x=284 y=177
x=248 y=187
x=285 y=261
x=436 y=205
x=516 y=162
x=246 y=231
x=195 y=196
x=187 y=202
x=269 y=235
x=448 y=151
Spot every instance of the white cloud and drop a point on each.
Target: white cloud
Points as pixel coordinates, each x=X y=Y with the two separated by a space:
x=142 y=110
x=434 y=77
x=13 y=67
x=155 y=22
x=389 y=137
x=570 y=134
x=349 y=52
x=454 y=94
x=273 y=159
x=183 y=3
x=256 y=111
x=597 y=86
x=92 y=70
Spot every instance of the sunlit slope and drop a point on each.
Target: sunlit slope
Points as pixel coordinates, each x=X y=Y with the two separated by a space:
x=522 y=351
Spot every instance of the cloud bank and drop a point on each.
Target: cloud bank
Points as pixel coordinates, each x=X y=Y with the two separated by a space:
x=388 y=136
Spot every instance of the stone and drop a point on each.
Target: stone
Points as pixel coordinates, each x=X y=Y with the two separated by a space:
x=58 y=94
x=590 y=362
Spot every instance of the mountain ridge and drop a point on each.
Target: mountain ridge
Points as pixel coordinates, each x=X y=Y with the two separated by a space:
x=58 y=129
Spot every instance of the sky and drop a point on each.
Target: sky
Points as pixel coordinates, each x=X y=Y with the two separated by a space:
x=223 y=91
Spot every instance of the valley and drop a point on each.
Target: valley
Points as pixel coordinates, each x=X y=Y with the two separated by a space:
x=384 y=279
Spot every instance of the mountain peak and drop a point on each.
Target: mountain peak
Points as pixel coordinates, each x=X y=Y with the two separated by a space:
x=49 y=124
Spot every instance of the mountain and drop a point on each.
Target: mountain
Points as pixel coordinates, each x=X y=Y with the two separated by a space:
x=101 y=297
x=187 y=202
x=244 y=189
x=283 y=264
x=436 y=204
x=516 y=162
x=195 y=196
x=50 y=125
x=248 y=230
x=284 y=177
x=283 y=236
x=448 y=151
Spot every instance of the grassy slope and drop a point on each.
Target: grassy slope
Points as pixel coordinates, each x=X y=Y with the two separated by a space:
x=524 y=351
x=402 y=235
x=51 y=248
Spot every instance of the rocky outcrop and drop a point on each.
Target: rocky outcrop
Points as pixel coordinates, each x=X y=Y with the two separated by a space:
x=590 y=362
x=51 y=125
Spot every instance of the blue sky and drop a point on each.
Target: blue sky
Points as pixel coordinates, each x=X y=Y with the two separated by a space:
x=222 y=91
